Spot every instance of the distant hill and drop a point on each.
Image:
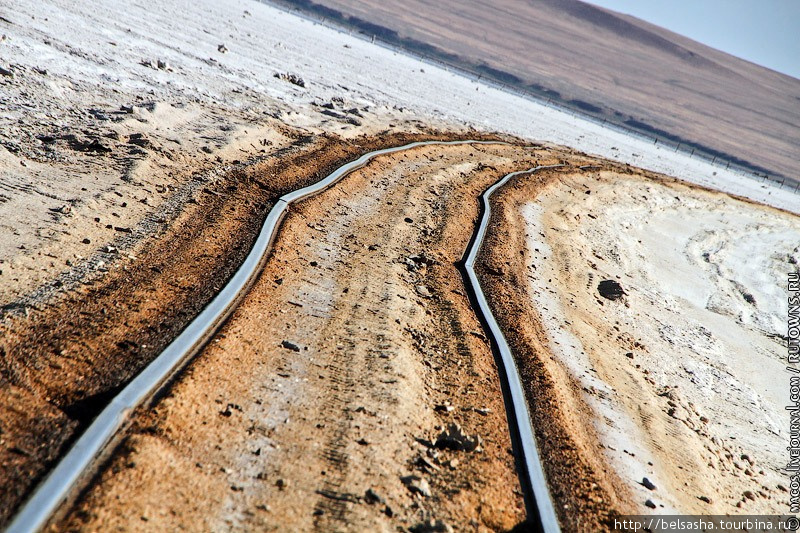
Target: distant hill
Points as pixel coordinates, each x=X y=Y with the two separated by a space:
x=602 y=63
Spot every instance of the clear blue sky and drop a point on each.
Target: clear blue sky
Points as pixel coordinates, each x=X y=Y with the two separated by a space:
x=766 y=32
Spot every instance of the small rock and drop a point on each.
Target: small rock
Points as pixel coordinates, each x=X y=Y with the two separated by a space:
x=650 y=504
x=163 y=65
x=646 y=483
x=289 y=345
x=109 y=249
x=749 y=495
x=417 y=484
x=629 y=355
x=222 y=49
x=423 y=291
x=282 y=484
x=86 y=241
x=479 y=335
x=432 y=526
x=610 y=289
x=454 y=438
x=705 y=499
x=443 y=408
x=426 y=465
x=139 y=139
x=495 y=271
x=291 y=78
x=370 y=496
x=6 y=72
x=483 y=411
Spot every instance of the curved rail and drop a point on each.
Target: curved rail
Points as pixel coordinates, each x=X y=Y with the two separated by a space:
x=83 y=458
x=530 y=454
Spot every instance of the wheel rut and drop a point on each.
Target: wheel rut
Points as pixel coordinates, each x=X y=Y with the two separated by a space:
x=329 y=384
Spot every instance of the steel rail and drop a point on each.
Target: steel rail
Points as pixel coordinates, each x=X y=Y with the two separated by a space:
x=519 y=406
x=84 y=457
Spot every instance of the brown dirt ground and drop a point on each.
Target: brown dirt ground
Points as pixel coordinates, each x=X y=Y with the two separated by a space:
x=257 y=436
x=71 y=353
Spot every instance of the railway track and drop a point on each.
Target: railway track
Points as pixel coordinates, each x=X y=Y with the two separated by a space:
x=80 y=463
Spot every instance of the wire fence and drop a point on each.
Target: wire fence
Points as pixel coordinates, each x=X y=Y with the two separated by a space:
x=694 y=152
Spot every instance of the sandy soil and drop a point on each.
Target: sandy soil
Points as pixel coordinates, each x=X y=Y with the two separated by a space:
x=683 y=378
x=384 y=353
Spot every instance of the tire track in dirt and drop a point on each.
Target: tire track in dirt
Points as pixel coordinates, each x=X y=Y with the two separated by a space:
x=65 y=360
x=353 y=402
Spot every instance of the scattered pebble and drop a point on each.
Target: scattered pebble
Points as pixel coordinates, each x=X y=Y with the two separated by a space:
x=432 y=526
x=423 y=291
x=610 y=289
x=291 y=78
x=417 y=484
x=455 y=438
x=370 y=496
x=289 y=345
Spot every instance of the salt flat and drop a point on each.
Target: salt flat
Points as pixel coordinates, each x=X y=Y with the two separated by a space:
x=687 y=373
